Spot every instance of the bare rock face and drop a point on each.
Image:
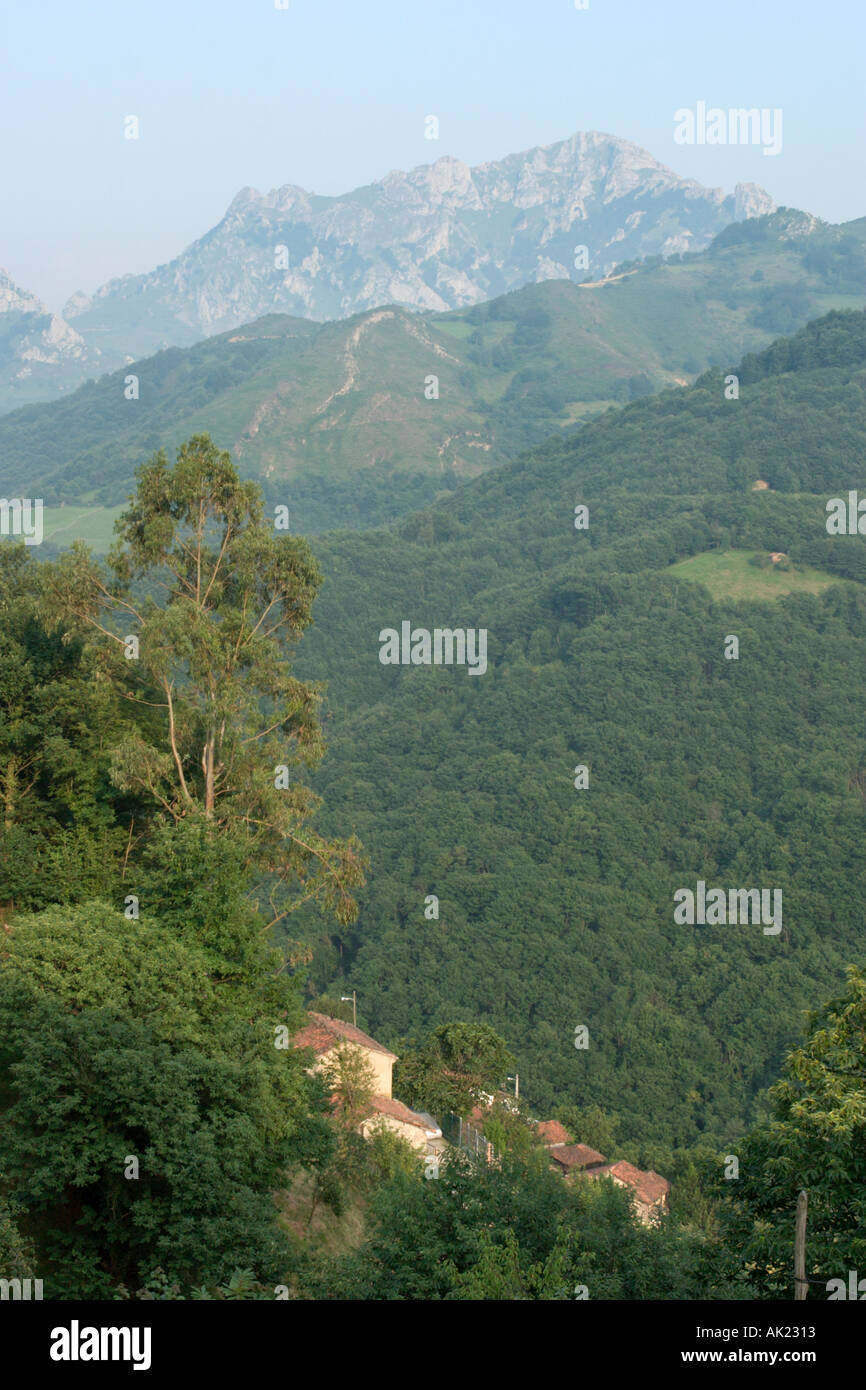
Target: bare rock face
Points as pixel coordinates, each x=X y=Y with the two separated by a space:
x=14 y=300
x=77 y=303
x=751 y=200
x=41 y=354
x=441 y=236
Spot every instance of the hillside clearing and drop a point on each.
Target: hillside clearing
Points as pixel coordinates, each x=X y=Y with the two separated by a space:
x=728 y=574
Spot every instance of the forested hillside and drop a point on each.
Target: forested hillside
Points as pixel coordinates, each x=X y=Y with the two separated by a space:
x=528 y=829
x=556 y=903
x=358 y=422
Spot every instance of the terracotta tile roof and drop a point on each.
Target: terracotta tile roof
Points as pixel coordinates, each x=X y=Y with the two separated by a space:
x=648 y=1186
x=323 y=1033
x=576 y=1156
x=552 y=1132
x=386 y=1105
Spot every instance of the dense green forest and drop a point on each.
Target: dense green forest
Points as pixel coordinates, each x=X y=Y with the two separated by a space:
x=151 y=1099
x=556 y=903
x=181 y=870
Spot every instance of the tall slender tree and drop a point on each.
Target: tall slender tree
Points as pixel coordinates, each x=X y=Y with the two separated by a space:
x=193 y=622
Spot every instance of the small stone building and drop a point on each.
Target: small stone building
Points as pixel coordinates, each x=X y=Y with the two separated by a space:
x=419 y=1130
x=552 y=1133
x=570 y=1159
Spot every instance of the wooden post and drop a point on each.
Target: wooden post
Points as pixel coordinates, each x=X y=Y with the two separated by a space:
x=801 y=1286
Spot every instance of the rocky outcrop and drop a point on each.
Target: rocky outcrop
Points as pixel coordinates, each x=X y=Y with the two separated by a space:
x=440 y=236
x=41 y=354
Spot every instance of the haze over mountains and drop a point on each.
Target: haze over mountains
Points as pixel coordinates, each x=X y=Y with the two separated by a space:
x=336 y=420
x=433 y=670
x=41 y=354
x=442 y=236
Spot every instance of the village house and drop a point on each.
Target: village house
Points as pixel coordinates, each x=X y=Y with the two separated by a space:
x=649 y=1190
x=566 y=1157
x=552 y=1134
x=415 y=1126
x=569 y=1159
x=322 y=1035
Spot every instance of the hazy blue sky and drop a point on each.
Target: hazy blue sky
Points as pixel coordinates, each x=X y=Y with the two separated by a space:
x=330 y=94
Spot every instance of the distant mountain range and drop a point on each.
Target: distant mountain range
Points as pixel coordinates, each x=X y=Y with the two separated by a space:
x=340 y=420
x=443 y=236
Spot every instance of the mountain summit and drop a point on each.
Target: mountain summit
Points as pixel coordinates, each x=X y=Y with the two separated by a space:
x=441 y=236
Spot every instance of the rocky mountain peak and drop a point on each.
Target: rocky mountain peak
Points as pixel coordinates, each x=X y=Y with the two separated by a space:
x=439 y=236
x=751 y=200
x=15 y=300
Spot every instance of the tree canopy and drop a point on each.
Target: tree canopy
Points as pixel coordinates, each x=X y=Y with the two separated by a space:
x=151 y=1101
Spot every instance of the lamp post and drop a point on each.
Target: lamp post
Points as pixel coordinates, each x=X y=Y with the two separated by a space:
x=344 y=999
x=516 y=1079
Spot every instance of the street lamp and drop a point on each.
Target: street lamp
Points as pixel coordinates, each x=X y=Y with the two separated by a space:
x=344 y=999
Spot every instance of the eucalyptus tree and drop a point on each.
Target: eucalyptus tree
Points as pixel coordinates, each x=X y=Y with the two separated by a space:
x=194 y=619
